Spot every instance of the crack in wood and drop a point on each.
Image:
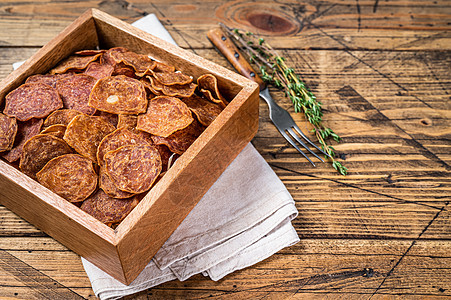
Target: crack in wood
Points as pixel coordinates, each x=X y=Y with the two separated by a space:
x=407 y=251
x=44 y=286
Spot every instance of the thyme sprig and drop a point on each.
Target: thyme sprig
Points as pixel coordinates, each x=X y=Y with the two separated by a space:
x=274 y=70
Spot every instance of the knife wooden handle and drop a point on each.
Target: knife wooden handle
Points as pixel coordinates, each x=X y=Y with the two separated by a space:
x=223 y=43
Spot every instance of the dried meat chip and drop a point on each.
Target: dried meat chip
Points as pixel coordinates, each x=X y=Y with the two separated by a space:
x=26 y=130
x=124 y=70
x=109 y=188
x=84 y=134
x=89 y=52
x=60 y=116
x=74 y=91
x=139 y=62
x=178 y=90
x=111 y=118
x=133 y=168
x=204 y=110
x=39 y=150
x=71 y=176
x=46 y=78
x=109 y=58
x=32 y=100
x=74 y=62
x=164 y=116
x=119 y=95
x=155 y=84
x=162 y=67
x=127 y=121
x=179 y=141
x=118 y=138
x=208 y=85
x=57 y=130
x=106 y=209
x=172 y=78
x=8 y=131
x=99 y=71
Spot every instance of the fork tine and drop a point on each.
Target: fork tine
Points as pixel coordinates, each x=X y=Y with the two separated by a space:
x=309 y=141
x=295 y=146
x=296 y=137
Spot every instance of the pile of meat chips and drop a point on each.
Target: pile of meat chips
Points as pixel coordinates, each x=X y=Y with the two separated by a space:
x=101 y=127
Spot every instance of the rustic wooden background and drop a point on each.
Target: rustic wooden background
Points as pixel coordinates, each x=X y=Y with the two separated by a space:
x=382 y=72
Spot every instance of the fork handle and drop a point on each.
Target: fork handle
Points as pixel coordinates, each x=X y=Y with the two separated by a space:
x=226 y=46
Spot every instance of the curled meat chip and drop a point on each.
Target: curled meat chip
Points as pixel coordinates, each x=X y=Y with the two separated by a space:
x=127 y=121
x=75 y=63
x=8 y=131
x=118 y=138
x=109 y=188
x=162 y=67
x=164 y=116
x=139 y=62
x=74 y=91
x=155 y=84
x=125 y=70
x=39 y=150
x=204 y=110
x=71 y=176
x=208 y=85
x=119 y=95
x=180 y=140
x=26 y=130
x=107 y=57
x=89 y=52
x=151 y=91
x=84 y=134
x=32 y=100
x=56 y=130
x=178 y=90
x=133 y=168
x=60 y=116
x=98 y=71
x=108 y=210
x=172 y=78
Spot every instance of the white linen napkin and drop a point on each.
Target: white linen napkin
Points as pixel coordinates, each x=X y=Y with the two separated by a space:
x=244 y=218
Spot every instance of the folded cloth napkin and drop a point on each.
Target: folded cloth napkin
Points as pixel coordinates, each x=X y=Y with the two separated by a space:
x=244 y=218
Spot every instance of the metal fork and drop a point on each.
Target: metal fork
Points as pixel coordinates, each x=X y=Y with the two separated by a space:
x=279 y=116
x=287 y=127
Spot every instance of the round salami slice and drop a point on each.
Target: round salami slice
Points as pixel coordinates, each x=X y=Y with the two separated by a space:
x=98 y=71
x=204 y=110
x=119 y=95
x=108 y=210
x=74 y=91
x=118 y=138
x=109 y=188
x=26 y=130
x=39 y=150
x=32 y=100
x=71 y=176
x=164 y=116
x=60 y=116
x=8 y=131
x=84 y=134
x=133 y=168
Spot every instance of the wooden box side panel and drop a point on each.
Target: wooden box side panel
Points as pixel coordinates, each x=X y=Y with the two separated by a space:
x=50 y=213
x=184 y=185
x=81 y=34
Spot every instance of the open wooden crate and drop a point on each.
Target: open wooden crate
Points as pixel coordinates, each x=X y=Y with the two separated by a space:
x=123 y=252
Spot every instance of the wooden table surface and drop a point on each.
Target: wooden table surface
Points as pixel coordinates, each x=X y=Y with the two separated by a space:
x=381 y=70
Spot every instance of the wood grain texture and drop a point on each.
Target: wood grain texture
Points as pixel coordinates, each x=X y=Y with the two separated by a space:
x=383 y=231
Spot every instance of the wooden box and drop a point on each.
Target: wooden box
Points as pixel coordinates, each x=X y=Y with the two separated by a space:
x=123 y=252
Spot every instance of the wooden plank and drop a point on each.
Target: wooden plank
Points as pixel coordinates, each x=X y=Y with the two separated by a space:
x=327 y=24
